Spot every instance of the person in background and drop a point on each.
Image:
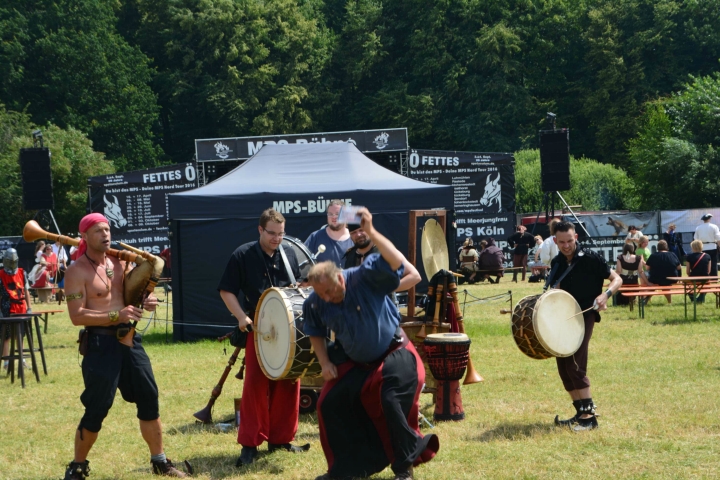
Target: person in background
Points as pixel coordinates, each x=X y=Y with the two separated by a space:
x=697 y=264
x=674 y=241
x=491 y=261
x=548 y=250
x=642 y=248
x=709 y=234
x=335 y=236
x=628 y=265
x=661 y=265
x=634 y=234
x=468 y=260
x=14 y=296
x=62 y=262
x=521 y=241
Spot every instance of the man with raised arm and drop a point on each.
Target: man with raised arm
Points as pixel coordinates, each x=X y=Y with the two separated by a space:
x=368 y=407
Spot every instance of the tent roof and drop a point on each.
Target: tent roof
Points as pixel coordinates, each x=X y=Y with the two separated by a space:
x=307 y=168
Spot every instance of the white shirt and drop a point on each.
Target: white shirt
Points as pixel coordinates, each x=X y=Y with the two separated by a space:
x=548 y=250
x=635 y=237
x=708 y=233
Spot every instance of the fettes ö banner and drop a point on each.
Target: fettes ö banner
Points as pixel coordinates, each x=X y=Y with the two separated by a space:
x=136 y=205
x=484 y=185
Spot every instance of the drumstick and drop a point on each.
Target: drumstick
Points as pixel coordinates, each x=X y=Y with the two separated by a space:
x=576 y=314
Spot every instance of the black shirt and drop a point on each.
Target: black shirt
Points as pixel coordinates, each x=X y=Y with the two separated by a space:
x=663 y=265
x=521 y=242
x=698 y=264
x=354 y=259
x=252 y=271
x=585 y=281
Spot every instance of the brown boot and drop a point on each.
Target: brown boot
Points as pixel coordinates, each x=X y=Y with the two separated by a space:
x=167 y=469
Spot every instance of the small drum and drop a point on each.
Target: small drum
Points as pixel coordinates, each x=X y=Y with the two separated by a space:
x=283 y=350
x=548 y=325
x=447 y=354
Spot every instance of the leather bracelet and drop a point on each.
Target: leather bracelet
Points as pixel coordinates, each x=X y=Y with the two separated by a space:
x=609 y=293
x=114 y=315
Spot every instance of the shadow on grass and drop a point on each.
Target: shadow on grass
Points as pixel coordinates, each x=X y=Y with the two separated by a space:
x=684 y=321
x=223 y=466
x=514 y=431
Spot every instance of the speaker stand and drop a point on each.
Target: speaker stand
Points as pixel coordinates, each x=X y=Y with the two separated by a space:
x=577 y=220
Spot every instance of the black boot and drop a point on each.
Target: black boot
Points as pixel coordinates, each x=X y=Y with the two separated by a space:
x=586 y=408
x=77 y=470
x=572 y=420
x=247 y=456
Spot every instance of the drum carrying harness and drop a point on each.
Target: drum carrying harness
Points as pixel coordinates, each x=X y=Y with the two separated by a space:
x=549 y=279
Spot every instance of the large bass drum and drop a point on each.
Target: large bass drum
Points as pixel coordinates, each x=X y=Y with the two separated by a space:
x=548 y=325
x=283 y=350
x=304 y=256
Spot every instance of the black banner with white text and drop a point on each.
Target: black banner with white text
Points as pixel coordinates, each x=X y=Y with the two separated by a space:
x=135 y=203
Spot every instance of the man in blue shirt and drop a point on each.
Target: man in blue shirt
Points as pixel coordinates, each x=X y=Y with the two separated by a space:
x=334 y=236
x=368 y=407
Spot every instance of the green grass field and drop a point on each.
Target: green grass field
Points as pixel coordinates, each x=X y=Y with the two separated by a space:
x=656 y=382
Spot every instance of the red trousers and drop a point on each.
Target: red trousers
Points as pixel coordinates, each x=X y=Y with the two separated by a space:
x=269 y=409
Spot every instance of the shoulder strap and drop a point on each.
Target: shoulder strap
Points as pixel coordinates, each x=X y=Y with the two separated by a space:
x=698 y=260
x=287 y=265
x=567 y=270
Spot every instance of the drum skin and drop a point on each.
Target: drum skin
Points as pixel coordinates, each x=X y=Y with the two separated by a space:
x=548 y=325
x=284 y=352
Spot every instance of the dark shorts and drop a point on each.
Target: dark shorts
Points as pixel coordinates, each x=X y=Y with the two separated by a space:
x=109 y=365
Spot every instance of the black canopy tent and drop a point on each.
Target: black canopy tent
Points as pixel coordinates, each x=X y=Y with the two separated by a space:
x=209 y=222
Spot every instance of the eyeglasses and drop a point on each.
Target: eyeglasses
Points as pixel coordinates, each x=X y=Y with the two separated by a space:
x=274 y=234
x=333 y=215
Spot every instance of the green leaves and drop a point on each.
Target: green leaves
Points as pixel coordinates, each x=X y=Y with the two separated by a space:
x=73 y=161
x=675 y=155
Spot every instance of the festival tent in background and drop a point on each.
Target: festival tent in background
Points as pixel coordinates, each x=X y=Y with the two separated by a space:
x=209 y=222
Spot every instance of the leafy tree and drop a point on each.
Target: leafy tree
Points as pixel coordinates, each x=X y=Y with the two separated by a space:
x=675 y=159
x=594 y=185
x=73 y=160
x=232 y=67
x=68 y=65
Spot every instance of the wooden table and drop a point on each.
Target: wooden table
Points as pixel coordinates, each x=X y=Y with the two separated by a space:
x=693 y=285
x=45 y=315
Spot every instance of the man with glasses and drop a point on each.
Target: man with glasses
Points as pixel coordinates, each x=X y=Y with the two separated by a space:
x=269 y=409
x=335 y=236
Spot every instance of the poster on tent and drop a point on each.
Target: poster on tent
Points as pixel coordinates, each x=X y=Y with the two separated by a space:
x=483 y=184
x=136 y=203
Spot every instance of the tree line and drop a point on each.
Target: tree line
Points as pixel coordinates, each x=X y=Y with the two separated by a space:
x=634 y=80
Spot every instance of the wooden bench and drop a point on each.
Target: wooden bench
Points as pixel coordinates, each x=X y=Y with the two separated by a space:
x=641 y=292
x=496 y=273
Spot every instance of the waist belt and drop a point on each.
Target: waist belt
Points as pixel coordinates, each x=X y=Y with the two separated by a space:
x=113 y=332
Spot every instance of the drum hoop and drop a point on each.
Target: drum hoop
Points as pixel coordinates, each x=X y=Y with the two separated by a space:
x=256 y=334
x=538 y=333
